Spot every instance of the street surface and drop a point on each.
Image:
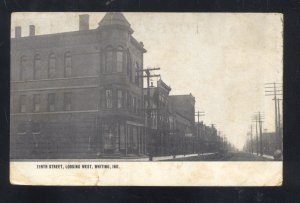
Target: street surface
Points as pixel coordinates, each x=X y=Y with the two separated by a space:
x=230 y=156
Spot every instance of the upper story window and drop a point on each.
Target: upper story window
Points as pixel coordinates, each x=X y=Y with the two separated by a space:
x=36 y=128
x=125 y=99
x=139 y=106
x=21 y=129
x=119 y=99
x=129 y=101
x=108 y=97
x=36 y=103
x=68 y=64
x=51 y=66
x=37 y=67
x=137 y=74
x=23 y=103
x=133 y=104
x=23 y=67
x=120 y=58
x=129 y=66
x=51 y=102
x=108 y=59
x=67 y=101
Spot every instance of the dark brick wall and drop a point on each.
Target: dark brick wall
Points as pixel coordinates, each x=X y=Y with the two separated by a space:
x=75 y=133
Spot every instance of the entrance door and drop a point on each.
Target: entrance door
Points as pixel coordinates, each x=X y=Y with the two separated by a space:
x=109 y=135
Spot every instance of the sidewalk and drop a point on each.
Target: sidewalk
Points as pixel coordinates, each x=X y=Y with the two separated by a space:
x=265 y=156
x=157 y=158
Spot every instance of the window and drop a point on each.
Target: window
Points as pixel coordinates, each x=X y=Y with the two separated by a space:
x=119 y=98
x=36 y=128
x=119 y=59
x=133 y=104
x=21 y=128
x=139 y=106
x=52 y=66
x=23 y=103
x=129 y=102
x=108 y=96
x=129 y=64
x=67 y=101
x=23 y=67
x=125 y=99
x=51 y=102
x=137 y=73
x=36 y=102
x=108 y=59
x=68 y=65
x=37 y=67
x=122 y=136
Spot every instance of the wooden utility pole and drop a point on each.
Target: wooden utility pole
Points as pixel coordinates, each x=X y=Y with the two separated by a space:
x=251 y=140
x=260 y=132
x=258 y=118
x=275 y=90
x=255 y=119
x=279 y=125
x=148 y=108
x=198 y=114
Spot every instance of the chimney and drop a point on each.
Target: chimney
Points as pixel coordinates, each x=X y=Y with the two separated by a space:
x=84 y=22
x=31 y=30
x=17 y=31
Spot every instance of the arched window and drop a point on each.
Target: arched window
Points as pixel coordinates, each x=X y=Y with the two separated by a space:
x=120 y=59
x=52 y=66
x=68 y=64
x=37 y=67
x=108 y=59
x=23 y=62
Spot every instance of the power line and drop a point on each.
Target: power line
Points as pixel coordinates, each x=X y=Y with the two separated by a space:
x=275 y=90
x=149 y=75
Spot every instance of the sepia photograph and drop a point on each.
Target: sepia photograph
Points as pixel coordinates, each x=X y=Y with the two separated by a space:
x=170 y=91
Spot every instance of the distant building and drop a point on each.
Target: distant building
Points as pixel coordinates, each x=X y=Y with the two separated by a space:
x=269 y=143
x=208 y=139
x=77 y=94
x=182 y=122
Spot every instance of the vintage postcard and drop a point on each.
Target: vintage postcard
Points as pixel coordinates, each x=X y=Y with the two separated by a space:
x=146 y=99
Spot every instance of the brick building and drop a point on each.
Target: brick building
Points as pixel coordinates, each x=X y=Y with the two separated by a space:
x=159 y=118
x=182 y=123
x=77 y=94
x=207 y=138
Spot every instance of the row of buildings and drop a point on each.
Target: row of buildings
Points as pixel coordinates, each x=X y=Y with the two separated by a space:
x=81 y=94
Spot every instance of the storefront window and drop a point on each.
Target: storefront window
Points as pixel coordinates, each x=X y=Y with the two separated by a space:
x=122 y=136
x=108 y=137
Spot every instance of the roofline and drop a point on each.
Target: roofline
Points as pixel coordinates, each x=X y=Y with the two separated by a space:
x=77 y=32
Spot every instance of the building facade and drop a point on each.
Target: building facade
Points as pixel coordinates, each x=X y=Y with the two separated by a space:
x=78 y=94
x=158 y=116
x=182 y=123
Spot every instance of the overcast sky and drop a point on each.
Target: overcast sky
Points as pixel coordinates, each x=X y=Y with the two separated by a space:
x=222 y=59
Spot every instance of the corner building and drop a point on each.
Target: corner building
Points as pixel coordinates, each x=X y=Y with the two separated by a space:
x=78 y=94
